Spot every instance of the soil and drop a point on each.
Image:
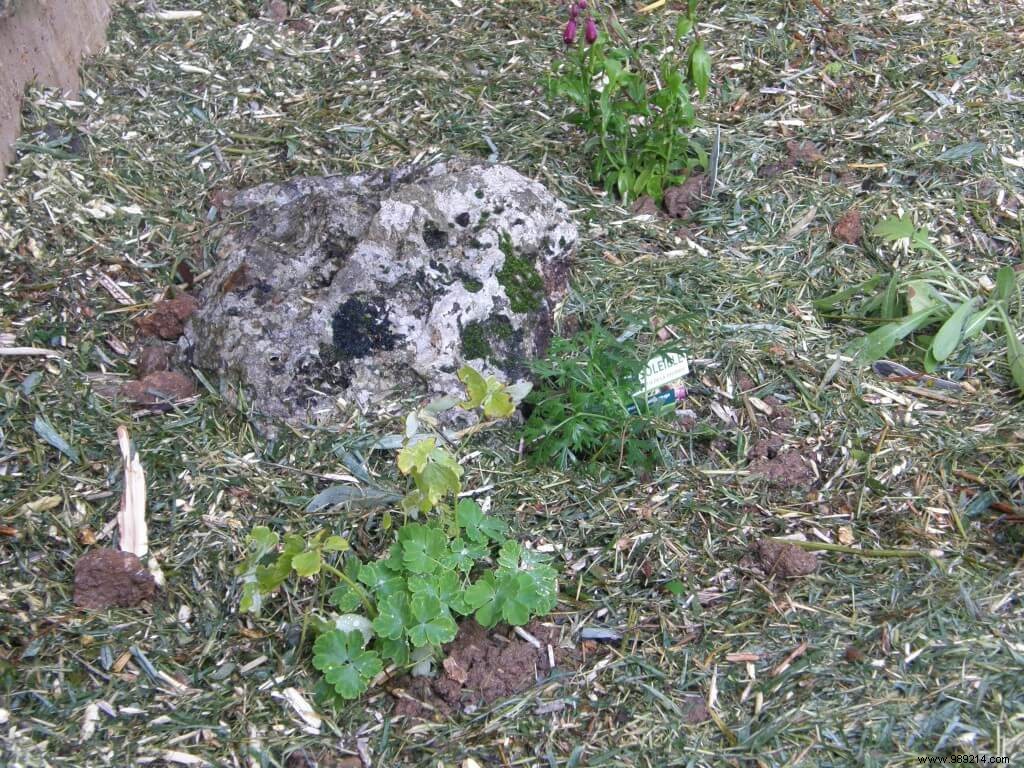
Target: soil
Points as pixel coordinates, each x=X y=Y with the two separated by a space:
x=480 y=667
x=683 y=200
x=107 y=578
x=159 y=388
x=849 y=229
x=798 y=154
x=167 y=318
x=44 y=42
x=786 y=561
x=151 y=359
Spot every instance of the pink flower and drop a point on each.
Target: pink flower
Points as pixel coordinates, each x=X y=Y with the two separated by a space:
x=582 y=4
x=574 y=11
x=590 y=31
x=569 y=36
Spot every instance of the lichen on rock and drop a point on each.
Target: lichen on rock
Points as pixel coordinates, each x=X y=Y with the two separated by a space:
x=358 y=288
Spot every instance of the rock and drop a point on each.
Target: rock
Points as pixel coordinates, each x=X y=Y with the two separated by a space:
x=167 y=318
x=108 y=578
x=361 y=287
x=7 y=8
x=277 y=10
x=159 y=387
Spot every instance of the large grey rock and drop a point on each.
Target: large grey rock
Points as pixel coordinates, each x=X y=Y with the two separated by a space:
x=355 y=289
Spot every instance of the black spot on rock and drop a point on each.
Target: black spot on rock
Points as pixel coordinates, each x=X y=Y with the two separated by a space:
x=462 y=219
x=359 y=328
x=433 y=237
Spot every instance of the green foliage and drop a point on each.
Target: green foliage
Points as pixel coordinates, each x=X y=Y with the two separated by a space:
x=905 y=305
x=634 y=105
x=434 y=570
x=581 y=408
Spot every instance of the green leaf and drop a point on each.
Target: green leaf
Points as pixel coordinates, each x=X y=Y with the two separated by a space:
x=432 y=623
x=307 y=563
x=344 y=598
x=893 y=229
x=948 y=337
x=252 y=598
x=482 y=597
x=395 y=651
x=878 y=343
x=977 y=321
x=683 y=27
x=1014 y=351
x=476 y=386
x=380 y=580
x=465 y=554
x=414 y=456
x=424 y=548
x=676 y=587
x=1006 y=282
x=920 y=296
x=509 y=554
x=336 y=544
x=343 y=662
x=262 y=541
x=700 y=67
x=835 y=299
x=478 y=526
x=394 y=616
x=443 y=587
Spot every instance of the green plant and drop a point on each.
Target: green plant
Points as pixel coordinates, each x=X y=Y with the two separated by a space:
x=907 y=304
x=583 y=409
x=636 y=112
x=455 y=561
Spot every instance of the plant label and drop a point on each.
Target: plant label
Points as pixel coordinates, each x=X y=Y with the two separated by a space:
x=663 y=370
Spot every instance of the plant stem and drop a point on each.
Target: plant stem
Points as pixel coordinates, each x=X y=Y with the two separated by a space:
x=822 y=546
x=363 y=596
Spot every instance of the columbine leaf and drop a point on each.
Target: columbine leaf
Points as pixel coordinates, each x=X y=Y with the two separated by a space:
x=432 y=623
x=424 y=548
x=343 y=662
x=335 y=544
x=478 y=526
x=482 y=597
x=443 y=587
x=476 y=386
x=396 y=651
x=307 y=563
x=262 y=541
x=414 y=456
x=394 y=616
x=440 y=476
x=344 y=598
x=509 y=554
x=252 y=598
x=465 y=554
x=380 y=580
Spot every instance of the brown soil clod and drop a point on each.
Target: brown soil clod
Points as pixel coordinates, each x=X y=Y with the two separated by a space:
x=167 y=318
x=849 y=229
x=786 y=561
x=682 y=201
x=152 y=358
x=108 y=578
x=480 y=667
x=159 y=387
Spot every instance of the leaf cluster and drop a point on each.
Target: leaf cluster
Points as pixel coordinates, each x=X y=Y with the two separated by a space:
x=938 y=299
x=583 y=411
x=401 y=608
x=634 y=105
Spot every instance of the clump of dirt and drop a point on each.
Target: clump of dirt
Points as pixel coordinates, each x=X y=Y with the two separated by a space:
x=159 y=387
x=787 y=469
x=848 y=229
x=167 y=318
x=798 y=154
x=106 y=578
x=480 y=667
x=151 y=359
x=682 y=201
x=786 y=561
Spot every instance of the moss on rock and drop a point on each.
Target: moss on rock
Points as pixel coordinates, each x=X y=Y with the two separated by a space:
x=519 y=277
